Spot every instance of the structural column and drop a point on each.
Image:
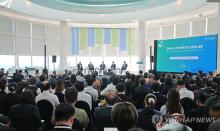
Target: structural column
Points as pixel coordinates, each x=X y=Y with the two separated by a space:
x=218 y=54
x=141 y=45
x=63 y=44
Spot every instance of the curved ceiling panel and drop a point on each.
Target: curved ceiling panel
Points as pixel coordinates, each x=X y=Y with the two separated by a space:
x=156 y=9
x=101 y=6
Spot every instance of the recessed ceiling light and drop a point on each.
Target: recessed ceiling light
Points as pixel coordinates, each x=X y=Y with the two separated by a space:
x=28 y=3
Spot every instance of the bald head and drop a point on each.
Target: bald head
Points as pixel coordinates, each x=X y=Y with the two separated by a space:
x=111 y=97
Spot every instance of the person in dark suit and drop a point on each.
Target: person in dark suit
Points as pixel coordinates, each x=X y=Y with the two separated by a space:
x=102 y=115
x=113 y=66
x=140 y=93
x=26 y=113
x=124 y=67
x=121 y=93
x=145 y=115
x=79 y=66
x=18 y=76
x=64 y=117
x=10 y=99
x=199 y=112
x=161 y=99
x=91 y=67
x=102 y=66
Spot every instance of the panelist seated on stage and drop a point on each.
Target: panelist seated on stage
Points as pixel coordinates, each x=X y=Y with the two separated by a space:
x=91 y=66
x=79 y=66
x=124 y=66
x=102 y=66
x=113 y=66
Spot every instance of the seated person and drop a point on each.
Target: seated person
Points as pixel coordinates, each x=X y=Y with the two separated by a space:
x=121 y=93
x=145 y=115
x=102 y=66
x=161 y=99
x=82 y=95
x=140 y=93
x=212 y=105
x=79 y=66
x=199 y=112
x=124 y=67
x=124 y=116
x=64 y=117
x=10 y=99
x=113 y=66
x=91 y=67
x=27 y=111
x=71 y=95
x=59 y=91
x=102 y=115
x=173 y=104
x=47 y=95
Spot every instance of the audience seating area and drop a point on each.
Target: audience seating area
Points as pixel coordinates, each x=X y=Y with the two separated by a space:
x=142 y=102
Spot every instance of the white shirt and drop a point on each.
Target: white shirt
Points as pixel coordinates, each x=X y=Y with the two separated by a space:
x=92 y=91
x=109 y=87
x=46 y=95
x=186 y=93
x=82 y=96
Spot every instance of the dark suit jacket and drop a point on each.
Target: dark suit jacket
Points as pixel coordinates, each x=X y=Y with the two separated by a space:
x=113 y=66
x=4 y=128
x=91 y=66
x=145 y=119
x=18 y=77
x=8 y=101
x=102 y=66
x=161 y=100
x=124 y=67
x=28 y=111
x=102 y=118
x=199 y=112
x=123 y=98
x=79 y=67
x=139 y=95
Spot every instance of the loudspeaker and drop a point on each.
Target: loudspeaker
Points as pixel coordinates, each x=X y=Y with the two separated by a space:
x=54 y=59
x=152 y=59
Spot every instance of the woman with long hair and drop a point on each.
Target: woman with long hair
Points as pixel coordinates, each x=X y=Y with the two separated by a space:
x=173 y=104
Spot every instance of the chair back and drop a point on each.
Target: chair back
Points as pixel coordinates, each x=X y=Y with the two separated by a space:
x=46 y=111
x=23 y=123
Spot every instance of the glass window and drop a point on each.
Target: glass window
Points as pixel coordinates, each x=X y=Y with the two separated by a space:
x=24 y=61
x=7 y=61
x=38 y=61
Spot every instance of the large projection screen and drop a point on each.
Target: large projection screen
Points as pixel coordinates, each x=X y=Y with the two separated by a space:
x=186 y=54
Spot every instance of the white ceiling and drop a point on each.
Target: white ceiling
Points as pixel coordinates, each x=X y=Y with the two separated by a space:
x=148 y=14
